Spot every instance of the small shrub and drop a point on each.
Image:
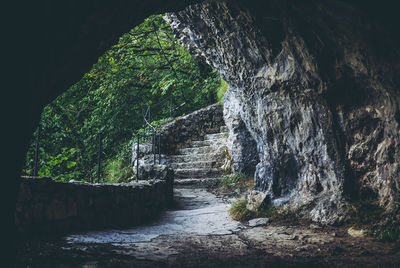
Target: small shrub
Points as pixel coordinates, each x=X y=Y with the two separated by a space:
x=391 y=230
x=233 y=181
x=239 y=212
x=228 y=161
x=62 y=167
x=221 y=90
x=364 y=211
x=116 y=171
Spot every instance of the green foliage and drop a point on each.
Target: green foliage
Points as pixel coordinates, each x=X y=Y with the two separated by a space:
x=390 y=231
x=239 y=212
x=116 y=171
x=221 y=90
x=145 y=68
x=364 y=211
x=61 y=162
x=233 y=181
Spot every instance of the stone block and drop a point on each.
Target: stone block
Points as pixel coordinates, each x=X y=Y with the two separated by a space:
x=258 y=222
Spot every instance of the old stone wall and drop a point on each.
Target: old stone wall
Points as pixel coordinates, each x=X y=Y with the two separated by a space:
x=191 y=127
x=179 y=132
x=46 y=206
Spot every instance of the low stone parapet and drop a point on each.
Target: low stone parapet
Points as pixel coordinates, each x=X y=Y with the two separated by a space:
x=47 y=206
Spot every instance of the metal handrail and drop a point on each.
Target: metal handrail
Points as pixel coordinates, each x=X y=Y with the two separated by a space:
x=146 y=123
x=153 y=142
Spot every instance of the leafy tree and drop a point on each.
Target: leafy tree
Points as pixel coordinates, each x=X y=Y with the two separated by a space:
x=147 y=68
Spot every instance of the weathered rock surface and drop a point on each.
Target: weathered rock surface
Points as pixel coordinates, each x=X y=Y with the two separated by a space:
x=144 y=149
x=241 y=145
x=316 y=86
x=356 y=232
x=194 y=126
x=255 y=200
x=258 y=222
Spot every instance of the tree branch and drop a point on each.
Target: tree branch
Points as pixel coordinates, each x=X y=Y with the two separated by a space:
x=169 y=63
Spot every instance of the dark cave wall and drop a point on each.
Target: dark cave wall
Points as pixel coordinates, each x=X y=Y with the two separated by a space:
x=316 y=85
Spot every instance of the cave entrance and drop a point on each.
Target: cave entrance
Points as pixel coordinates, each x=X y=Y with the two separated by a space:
x=94 y=124
x=56 y=63
x=143 y=81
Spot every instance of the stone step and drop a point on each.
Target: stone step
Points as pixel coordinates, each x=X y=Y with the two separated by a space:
x=197 y=150
x=196 y=157
x=197 y=172
x=205 y=182
x=221 y=135
x=198 y=164
x=217 y=142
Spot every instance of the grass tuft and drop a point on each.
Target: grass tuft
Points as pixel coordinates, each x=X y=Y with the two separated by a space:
x=239 y=212
x=390 y=231
x=221 y=90
x=286 y=215
x=116 y=171
x=233 y=181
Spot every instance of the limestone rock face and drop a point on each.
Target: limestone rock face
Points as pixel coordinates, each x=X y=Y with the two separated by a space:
x=241 y=145
x=316 y=87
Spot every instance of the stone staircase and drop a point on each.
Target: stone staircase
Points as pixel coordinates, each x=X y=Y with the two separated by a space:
x=201 y=162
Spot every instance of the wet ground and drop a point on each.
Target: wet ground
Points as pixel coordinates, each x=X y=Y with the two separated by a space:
x=198 y=232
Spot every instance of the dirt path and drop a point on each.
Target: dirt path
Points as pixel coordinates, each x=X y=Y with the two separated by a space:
x=199 y=233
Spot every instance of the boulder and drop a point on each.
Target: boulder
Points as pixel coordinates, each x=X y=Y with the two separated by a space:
x=255 y=200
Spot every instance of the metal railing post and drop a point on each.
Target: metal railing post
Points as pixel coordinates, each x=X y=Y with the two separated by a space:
x=159 y=148
x=149 y=121
x=154 y=147
x=35 y=167
x=137 y=158
x=144 y=127
x=99 y=160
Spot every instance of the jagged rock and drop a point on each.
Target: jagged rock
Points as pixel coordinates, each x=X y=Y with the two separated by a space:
x=148 y=160
x=317 y=93
x=144 y=149
x=258 y=222
x=242 y=147
x=156 y=172
x=255 y=200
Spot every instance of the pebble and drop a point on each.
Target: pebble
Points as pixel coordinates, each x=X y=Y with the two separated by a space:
x=258 y=222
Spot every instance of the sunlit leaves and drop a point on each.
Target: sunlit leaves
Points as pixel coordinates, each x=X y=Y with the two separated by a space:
x=146 y=67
